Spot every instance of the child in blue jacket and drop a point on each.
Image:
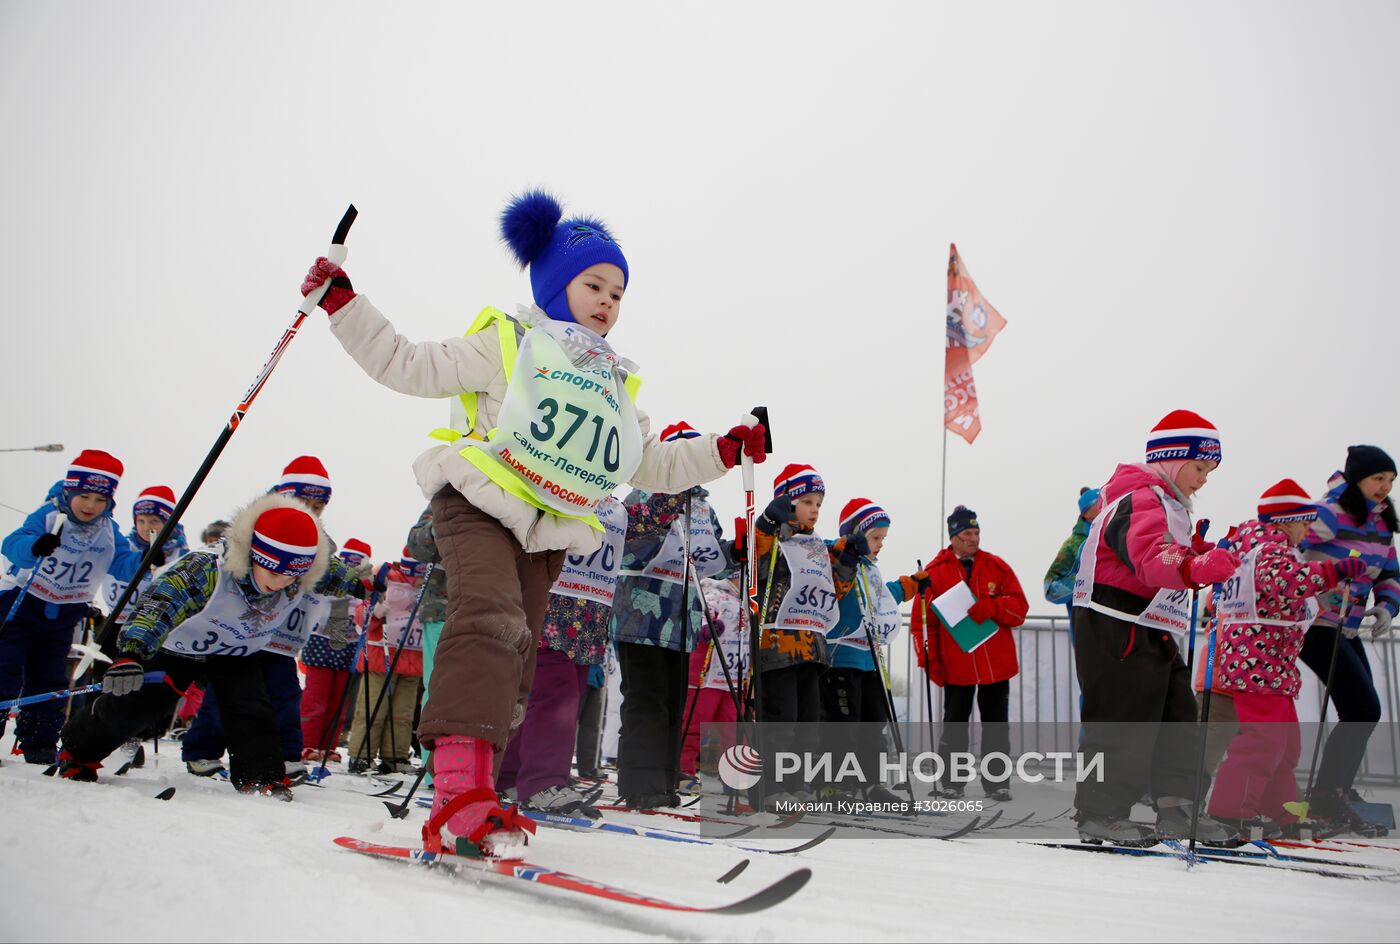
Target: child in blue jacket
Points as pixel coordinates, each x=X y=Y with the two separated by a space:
x=58 y=560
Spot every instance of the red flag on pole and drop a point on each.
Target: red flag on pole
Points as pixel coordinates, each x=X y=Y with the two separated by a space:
x=972 y=326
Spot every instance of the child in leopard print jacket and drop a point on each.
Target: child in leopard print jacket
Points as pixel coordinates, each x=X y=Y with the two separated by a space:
x=1257 y=656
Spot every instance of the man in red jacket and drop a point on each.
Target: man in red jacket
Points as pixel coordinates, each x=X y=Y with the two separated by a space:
x=985 y=673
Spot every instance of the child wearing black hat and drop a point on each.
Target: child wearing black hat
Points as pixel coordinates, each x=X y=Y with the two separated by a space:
x=1356 y=516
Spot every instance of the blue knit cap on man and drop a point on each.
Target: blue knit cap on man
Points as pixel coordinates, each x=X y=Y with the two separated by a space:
x=554 y=249
x=961 y=520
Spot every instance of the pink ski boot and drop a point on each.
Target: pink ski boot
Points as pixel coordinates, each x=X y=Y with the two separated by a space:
x=465 y=802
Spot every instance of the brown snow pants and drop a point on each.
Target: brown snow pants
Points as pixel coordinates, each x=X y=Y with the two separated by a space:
x=496 y=600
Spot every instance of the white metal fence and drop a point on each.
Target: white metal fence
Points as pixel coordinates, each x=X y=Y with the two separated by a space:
x=1046 y=693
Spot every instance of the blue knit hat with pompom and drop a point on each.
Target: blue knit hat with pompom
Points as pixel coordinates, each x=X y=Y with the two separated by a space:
x=554 y=249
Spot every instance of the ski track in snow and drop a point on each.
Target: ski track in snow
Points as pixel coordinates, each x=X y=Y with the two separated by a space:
x=109 y=862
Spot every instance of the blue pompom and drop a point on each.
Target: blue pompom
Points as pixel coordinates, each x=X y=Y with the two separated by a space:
x=527 y=224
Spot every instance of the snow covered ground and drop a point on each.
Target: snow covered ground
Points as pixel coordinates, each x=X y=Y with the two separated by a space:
x=109 y=862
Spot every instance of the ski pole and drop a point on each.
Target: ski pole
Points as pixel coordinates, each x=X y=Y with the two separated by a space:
x=67 y=693
x=1303 y=808
x=400 y=810
x=730 y=682
x=757 y=415
x=743 y=531
x=928 y=658
x=1205 y=720
x=56 y=528
x=320 y=773
x=742 y=681
x=704 y=671
x=683 y=664
x=759 y=614
x=394 y=662
x=336 y=254
x=863 y=589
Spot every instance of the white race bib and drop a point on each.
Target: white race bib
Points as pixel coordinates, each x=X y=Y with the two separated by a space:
x=1238 y=598
x=729 y=648
x=810 y=603
x=114 y=588
x=229 y=625
x=401 y=597
x=594 y=576
x=73 y=572
x=707 y=558
x=1169 y=610
x=303 y=622
x=878 y=609
x=567 y=428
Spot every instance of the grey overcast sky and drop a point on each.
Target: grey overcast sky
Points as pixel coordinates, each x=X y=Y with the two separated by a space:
x=1175 y=204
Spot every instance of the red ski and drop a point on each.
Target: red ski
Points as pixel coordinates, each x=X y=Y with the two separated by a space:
x=779 y=891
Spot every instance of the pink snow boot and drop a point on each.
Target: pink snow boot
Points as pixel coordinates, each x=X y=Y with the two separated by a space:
x=465 y=802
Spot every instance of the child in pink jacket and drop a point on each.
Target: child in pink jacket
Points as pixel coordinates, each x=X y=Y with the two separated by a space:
x=1264 y=611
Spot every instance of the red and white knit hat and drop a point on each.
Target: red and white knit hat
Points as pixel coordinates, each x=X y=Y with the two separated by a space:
x=1183 y=435
x=354 y=551
x=1286 y=501
x=306 y=477
x=94 y=471
x=158 y=500
x=285 y=541
x=797 y=480
x=681 y=430
x=862 y=514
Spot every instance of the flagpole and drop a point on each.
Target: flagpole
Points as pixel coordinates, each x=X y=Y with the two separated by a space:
x=942 y=516
x=943 y=492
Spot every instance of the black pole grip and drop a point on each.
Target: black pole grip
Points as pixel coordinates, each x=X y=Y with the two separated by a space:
x=762 y=413
x=342 y=230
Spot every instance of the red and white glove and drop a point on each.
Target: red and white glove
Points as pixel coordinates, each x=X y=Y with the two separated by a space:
x=340 y=291
x=748 y=439
x=1214 y=566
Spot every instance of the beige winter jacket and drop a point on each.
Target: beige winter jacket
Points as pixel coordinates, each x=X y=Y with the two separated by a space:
x=438 y=369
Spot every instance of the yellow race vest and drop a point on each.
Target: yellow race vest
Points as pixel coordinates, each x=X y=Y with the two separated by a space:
x=563 y=439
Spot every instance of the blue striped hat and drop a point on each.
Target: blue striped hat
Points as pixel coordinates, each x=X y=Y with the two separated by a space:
x=797 y=480
x=1182 y=434
x=285 y=541
x=862 y=514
